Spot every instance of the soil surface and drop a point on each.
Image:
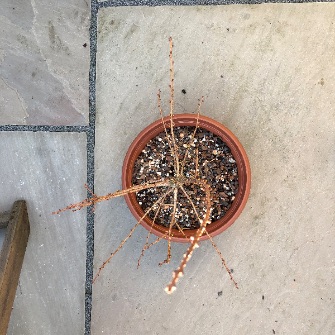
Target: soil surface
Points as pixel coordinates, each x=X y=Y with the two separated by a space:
x=213 y=163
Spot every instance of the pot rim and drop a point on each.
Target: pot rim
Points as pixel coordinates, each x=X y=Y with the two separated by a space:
x=240 y=156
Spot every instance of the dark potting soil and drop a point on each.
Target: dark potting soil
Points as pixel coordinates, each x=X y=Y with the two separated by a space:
x=216 y=165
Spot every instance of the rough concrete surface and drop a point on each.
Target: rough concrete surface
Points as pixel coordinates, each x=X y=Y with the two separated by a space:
x=48 y=171
x=43 y=62
x=267 y=73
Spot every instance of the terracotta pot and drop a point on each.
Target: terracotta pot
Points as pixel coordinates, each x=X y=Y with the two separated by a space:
x=243 y=167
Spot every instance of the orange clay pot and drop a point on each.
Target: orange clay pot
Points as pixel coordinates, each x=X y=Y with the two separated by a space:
x=243 y=170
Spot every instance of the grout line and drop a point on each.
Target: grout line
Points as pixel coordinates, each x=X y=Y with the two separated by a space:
x=90 y=167
x=89 y=231
x=118 y=3
x=47 y=128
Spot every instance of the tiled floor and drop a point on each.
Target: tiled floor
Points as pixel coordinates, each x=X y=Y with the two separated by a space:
x=44 y=64
x=267 y=73
x=47 y=170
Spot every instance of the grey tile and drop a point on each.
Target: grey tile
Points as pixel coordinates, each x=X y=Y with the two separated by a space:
x=43 y=63
x=48 y=170
x=267 y=73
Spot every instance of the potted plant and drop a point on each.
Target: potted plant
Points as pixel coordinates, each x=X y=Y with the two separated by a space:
x=185 y=178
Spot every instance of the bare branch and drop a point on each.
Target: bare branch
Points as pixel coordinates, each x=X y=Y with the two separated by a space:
x=146 y=245
x=173 y=219
x=193 y=135
x=95 y=199
x=191 y=202
x=173 y=154
x=170 y=288
x=196 y=163
x=130 y=234
x=175 y=149
x=221 y=257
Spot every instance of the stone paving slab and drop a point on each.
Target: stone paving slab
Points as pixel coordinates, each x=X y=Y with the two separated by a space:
x=48 y=170
x=44 y=62
x=267 y=73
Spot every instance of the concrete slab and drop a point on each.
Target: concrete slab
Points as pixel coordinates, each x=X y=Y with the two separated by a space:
x=267 y=73
x=48 y=170
x=44 y=62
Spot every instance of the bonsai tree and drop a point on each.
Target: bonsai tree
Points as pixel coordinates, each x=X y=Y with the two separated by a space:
x=173 y=192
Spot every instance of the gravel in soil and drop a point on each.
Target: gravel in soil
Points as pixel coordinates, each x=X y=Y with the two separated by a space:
x=216 y=165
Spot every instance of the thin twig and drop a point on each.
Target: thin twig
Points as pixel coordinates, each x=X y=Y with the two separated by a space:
x=196 y=163
x=193 y=135
x=221 y=257
x=173 y=219
x=163 y=123
x=95 y=199
x=176 y=154
x=179 y=228
x=129 y=235
x=191 y=202
x=91 y=193
x=170 y=288
x=145 y=247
